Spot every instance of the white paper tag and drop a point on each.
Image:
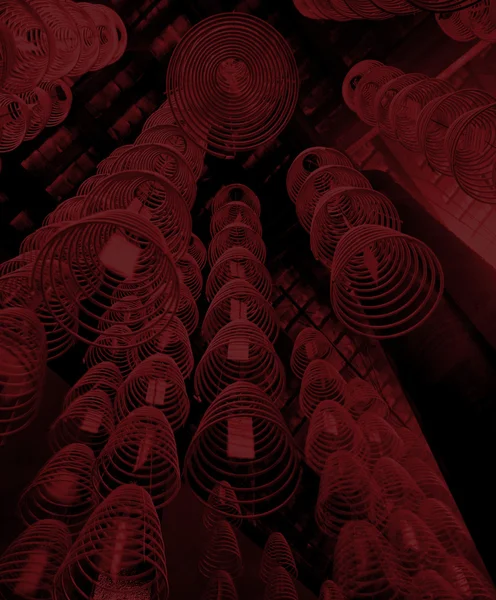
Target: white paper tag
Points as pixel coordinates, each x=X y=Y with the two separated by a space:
x=240 y=438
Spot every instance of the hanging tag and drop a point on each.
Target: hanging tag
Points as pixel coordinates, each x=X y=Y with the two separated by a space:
x=330 y=423
x=238 y=350
x=370 y=262
x=119 y=548
x=120 y=255
x=92 y=421
x=165 y=339
x=239 y=310
x=237 y=269
x=311 y=349
x=31 y=575
x=144 y=452
x=64 y=489
x=155 y=393
x=409 y=536
x=240 y=438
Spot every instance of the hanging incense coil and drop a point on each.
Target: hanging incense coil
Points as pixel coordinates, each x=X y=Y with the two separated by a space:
x=71 y=209
x=141 y=450
x=439 y=6
x=112 y=34
x=430 y=584
x=330 y=591
x=221 y=553
x=190 y=275
x=106 y=165
x=342 y=209
x=277 y=553
x=244 y=441
x=62 y=489
x=380 y=437
x=113 y=346
x=222 y=505
x=242 y=98
x=362 y=397
x=39 y=104
x=238 y=299
x=236 y=192
x=456 y=25
x=307 y=162
x=238 y=263
x=120 y=547
x=89 y=184
x=320 y=382
x=156 y=382
x=14 y=120
x=397 y=7
x=467 y=580
x=367 y=89
x=482 y=21
x=220 y=585
x=125 y=312
x=187 y=310
x=61 y=100
x=310 y=344
x=29 y=564
x=23 y=355
x=90 y=43
x=103 y=376
x=18 y=262
x=364 y=9
x=352 y=79
x=235 y=213
x=197 y=250
x=397 y=484
x=163 y=116
x=429 y=481
x=236 y=235
x=280 y=586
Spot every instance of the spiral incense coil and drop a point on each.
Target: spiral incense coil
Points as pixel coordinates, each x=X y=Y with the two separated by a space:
x=240 y=350
x=470 y=145
x=235 y=213
x=407 y=105
x=149 y=195
x=330 y=591
x=39 y=104
x=118 y=30
x=436 y=119
x=277 y=553
x=482 y=21
x=18 y=262
x=244 y=441
x=397 y=484
x=384 y=283
x=440 y=6
x=23 y=355
x=62 y=489
x=129 y=310
x=341 y=7
x=307 y=162
x=467 y=580
x=380 y=437
x=415 y=545
x=238 y=299
x=235 y=83
x=320 y=9
x=90 y=43
x=114 y=345
x=362 y=397
x=106 y=165
x=187 y=310
x=321 y=183
x=197 y=250
x=365 y=565
x=88 y=420
x=364 y=9
x=280 y=586
x=120 y=545
x=341 y=210
x=429 y=584
x=220 y=586
x=320 y=382
x=236 y=192
x=190 y=275
x=397 y=7
x=141 y=450
x=235 y=264
x=236 y=235
x=310 y=344
x=222 y=505
x=7 y=53
x=429 y=481
x=347 y=493
x=89 y=184
x=163 y=116
x=14 y=120
x=103 y=376
x=221 y=553
x=332 y=429
x=108 y=34
x=155 y=382
x=101 y=250
x=29 y=564
x=174 y=137
x=163 y=160
x=368 y=88
x=456 y=25
x=61 y=98
x=352 y=79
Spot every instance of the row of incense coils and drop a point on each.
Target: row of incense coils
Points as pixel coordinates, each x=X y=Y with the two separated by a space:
x=42 y=44
x=454 y=129
x=383 y=283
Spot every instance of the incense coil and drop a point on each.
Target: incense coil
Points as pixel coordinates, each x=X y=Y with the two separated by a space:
x=62 y=489
x=105 y=166
x=174 y=137
x=163 y=116
x=14 y=119
x=243 y=441
x=321 y=183
x=163 y=160
x=235 y=264
x=109 y=31
x=18 y=262
x=221 y=553
x=320 y=382
x=7 y=52
x=114 y=345
x=141 y=450
x=222 y=505
x=343 y=209
x=309 y=345
x=397 y=485
x=187 y=310
x=90 y=44
x=23 y=355
x=308 y=162
x=429 y=481
x=244 y=96
x=236 y=192
x=348 y=492
x=105 y=256
x=280 y=586
x=330 y=591
x=150 y=195
x=368 y=89
x=103 y=376
x=470 y=145
x=277 y=553
x=407 y=105
x=384 y=283
x=238 y=299
x=436 y=119
x=157 y=382
x=397 y=7
x=439 y=6
x=89 y=184
x=362 y=397
x=39 y=104
x=61 y=98
x=197 y=250
x=127 y=312
x=29 y=564
x=121 y=544
x=467 y=580
x=235 y=213
x=352 y=79
x=380 y=437
x=332 y=429
x=190 y=275
x=364 y=9
x=482 y=22
x=319 y=9
x=118 y=30
x=429 y=584
x=456 y=25
x=240 y=350
x=220 y=585
x=340 y=7
x=236 y=235
x=89 y=420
